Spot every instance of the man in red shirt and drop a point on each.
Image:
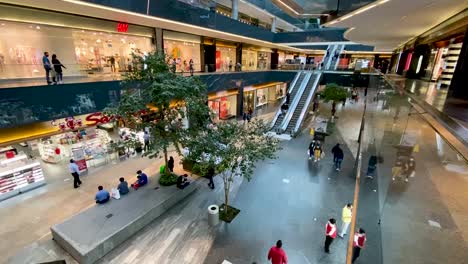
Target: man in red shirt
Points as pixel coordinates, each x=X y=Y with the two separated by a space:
x=277 y=254
x=358 y=244
x=330 y=234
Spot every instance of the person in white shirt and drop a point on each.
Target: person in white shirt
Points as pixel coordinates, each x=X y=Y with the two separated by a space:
x=75 y=172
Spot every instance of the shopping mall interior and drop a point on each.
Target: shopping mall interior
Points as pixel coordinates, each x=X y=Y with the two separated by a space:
x=384 y=79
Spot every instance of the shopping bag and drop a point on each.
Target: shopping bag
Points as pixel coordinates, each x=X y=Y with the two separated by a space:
x=115 y=194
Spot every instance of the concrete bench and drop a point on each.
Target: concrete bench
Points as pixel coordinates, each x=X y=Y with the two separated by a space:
x=93 y=233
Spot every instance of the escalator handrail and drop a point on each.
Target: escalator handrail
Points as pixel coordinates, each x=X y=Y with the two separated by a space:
x=306 y=105
x=295 y=102
x=293 y=83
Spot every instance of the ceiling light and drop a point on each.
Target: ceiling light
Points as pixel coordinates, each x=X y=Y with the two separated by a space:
x=364 y=9
x=119 y=11
x=288 y=7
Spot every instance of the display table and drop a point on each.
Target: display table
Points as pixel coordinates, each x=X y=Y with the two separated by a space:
x=19 y=175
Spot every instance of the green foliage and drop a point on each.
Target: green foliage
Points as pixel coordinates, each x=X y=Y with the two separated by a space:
x=232 y=149
x=158 y=99
x=167 y=179
x=335 y=93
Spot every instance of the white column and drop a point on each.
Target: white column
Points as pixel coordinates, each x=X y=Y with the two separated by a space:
x=273 y=24
x=235 y=9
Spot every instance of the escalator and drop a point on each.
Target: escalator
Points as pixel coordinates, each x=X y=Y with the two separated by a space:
x=295 y=121
x=279 y=117
x=336 y=60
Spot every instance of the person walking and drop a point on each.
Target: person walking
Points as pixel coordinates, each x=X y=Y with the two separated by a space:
x=191 y=69
x=277 y=254
x=338 y=156
x=47 y=66
x=170 y=164
x=75 y=172
x=358 y=243
x=146 y=139
x=58 y=70
x=330 y=234
x=346 y=215
x=311 y=149
x=210 y=175
x=317 y=151
x=372 y=165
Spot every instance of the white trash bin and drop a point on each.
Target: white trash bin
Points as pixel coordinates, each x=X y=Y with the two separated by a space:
x=213 y=215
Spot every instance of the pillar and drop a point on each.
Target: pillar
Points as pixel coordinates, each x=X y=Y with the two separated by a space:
x=235 y=9
x=457 y=88
x=273 y=25
x=158 y=39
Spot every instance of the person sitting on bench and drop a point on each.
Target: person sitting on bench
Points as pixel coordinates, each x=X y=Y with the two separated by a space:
x=182 y=181
x=102 y=196
x=142 y=180
x=123 y=186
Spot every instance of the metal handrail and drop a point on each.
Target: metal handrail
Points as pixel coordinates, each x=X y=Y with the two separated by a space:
x=306 y=105
x=337 y=61
x=331 y=51
x=293 y=84
x=295 y=102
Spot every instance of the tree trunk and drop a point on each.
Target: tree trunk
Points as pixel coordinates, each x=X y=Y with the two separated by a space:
x=227 y=187
x=166 y=169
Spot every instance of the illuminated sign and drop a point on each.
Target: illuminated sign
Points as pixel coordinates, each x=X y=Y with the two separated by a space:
x=122 y=27
x=97 y=118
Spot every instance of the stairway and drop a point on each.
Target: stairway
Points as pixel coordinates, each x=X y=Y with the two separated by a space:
x=300 y=106
x=293 y=94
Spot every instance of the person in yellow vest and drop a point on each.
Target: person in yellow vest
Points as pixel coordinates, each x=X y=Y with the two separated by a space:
x=346 y=216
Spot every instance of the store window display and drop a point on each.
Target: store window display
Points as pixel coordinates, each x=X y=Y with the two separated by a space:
x=225 y=58
x=81 y=51
x=183 y=48
x=264 y=59
x=224 y=107
x=249 y=60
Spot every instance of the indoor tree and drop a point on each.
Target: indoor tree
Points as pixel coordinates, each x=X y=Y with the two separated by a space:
x=156 y=99
x=334 y=93
x=232 y=149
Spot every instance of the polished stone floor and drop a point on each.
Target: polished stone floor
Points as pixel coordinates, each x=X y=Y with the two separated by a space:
x=289 y=198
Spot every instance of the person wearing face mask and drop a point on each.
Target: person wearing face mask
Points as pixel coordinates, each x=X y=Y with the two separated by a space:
x=47 y=66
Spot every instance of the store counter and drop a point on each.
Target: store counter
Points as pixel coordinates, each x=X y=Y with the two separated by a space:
x=91 y=234
x=19 y=174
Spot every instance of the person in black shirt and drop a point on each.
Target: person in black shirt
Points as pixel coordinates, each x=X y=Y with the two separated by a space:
x=58 y=70
x=182 y=181
x=170 y=164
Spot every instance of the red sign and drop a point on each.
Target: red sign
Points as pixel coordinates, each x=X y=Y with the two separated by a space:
x=81 y=164
x=122 y=27
x=97 y=118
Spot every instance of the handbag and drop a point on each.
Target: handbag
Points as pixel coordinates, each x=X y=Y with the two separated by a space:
x=115 y=194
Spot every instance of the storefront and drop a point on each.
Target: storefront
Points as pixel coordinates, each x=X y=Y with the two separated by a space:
x=84 y=45
x=444 y=63
x=225 y=56
x=249 y=60
x=264 y=60
x=183 y=47
x=260 y=95
x=223 y=104
x=91 y=140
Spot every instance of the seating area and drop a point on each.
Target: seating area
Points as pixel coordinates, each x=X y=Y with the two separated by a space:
x=91 y=234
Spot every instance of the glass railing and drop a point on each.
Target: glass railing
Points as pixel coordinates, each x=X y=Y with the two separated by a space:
x=410 y=187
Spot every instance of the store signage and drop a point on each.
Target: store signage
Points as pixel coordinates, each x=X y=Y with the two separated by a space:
x=122 y=27
x=98 y=118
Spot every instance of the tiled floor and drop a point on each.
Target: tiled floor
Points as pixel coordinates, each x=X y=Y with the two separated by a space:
x=289 y=198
